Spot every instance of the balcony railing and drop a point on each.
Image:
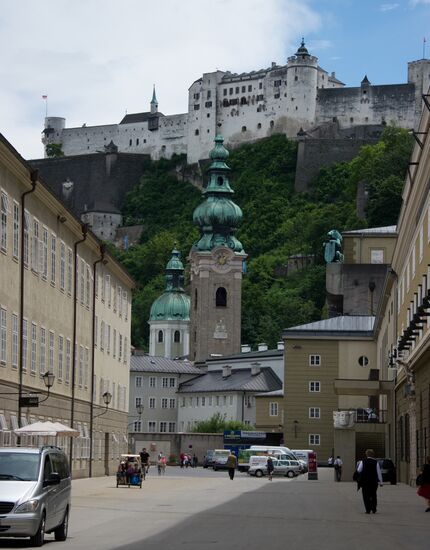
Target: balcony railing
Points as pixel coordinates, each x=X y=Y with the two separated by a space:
x=366 y=416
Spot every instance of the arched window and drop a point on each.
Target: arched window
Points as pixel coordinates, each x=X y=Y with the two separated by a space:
x=160 y=336
x=221 y=297
x=177 y=337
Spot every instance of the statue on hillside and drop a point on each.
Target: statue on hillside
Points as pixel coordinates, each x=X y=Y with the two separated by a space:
x=333 y=247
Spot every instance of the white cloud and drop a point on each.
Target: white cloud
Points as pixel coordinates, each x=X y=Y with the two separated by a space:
x=97 y=58
x=388 y=7
x=417 y=2
x=316 y=45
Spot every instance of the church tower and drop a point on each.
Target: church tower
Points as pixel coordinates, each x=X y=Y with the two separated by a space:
x=169 y=319
x=216 y=263
x=154 y=103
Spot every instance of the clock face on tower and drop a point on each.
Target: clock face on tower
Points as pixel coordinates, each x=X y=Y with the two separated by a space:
x=222 y=257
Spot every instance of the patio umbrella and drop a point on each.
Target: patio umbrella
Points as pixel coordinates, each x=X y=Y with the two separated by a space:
x=47 y=428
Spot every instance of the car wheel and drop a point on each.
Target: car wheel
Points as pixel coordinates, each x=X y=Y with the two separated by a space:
x=215 y=469
x=290 y=473
x=258 y=473
x=39 y=538
x=61 y=531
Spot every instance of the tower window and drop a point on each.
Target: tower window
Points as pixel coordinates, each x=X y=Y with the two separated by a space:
x=243 y=128
x=160 y=336
x=219 y=180
x=272 y=123
x=221 y=297
x=259 y=126
x=177 y=336
x=196 y=133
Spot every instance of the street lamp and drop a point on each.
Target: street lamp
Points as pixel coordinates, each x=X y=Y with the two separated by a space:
x=107 y=398
x=48 y=380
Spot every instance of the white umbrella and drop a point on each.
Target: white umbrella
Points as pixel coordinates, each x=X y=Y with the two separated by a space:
x=48 y=428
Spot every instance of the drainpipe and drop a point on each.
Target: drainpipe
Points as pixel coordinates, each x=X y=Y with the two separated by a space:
x=33 y=178
x=243 y=406
x=84 y=229
x=101 y=259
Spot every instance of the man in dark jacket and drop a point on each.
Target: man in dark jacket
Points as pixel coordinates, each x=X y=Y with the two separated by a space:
x=231 y=464
x=369 y=478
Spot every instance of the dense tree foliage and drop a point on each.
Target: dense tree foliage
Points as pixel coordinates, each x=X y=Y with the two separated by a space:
x=217 y=424
x=277 y=224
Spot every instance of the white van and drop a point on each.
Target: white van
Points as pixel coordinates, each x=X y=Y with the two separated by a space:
x=302 y=454
x=277 y=452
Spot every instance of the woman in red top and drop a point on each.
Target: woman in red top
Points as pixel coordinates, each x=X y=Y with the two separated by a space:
x=424 y=487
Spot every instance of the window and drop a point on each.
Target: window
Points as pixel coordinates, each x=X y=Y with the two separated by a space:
x=120 y=348
x=221 y=297
x=163 y=426
x=69 y=266
x=42 y=351
x=152 y=382
x=413 y=261
x=107 y=338
x=177 y=337
x=196 y=96
x=376 y=256
x=138 y=381
x=217 y=400
x=68 y=362
x=172 y=403
x=314 y=439
x=314 y=412
x=243 y=128
x=108 y=290
x=53 y=258
x=33 y=353
x=421 y=244
x=172 y=382
x=172 y=427
x=81 y=367
x=165 y=382
x=14 y=340
x=15 y=244
x=102 y=335
x=137 y=426
x=114 y=342
x=273 y=408
x=152 y=402
x=62 y=265
x=24 y=344
x=26 y=234
x=152 y=426
x=60 y=357
x=314 y=386
x=196 y=132
x=138 y=401
x=51 y=352
x=208 y=104
x=164 y=402
x=3 y=336
x=277 y=83
x=314 y=360
x=4 y=208
x=160 y=336
x=196 y=106
x=363 y=361
x=231 y=400
x=203 y=401
x=35 y=247
x=88 y=286
x=210 y=400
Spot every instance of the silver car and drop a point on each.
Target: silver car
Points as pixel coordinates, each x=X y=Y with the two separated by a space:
x=35 y=491
x=289 y=468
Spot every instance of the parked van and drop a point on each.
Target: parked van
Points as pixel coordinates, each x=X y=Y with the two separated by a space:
x=283 y=466
x=220 y=459
x=35 y=491
x=278 y=452
x=302 y=454
x=244 y=456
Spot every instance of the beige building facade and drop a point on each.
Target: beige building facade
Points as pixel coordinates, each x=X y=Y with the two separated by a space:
x=65 y=308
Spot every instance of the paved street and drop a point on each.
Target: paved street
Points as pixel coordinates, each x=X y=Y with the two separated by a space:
x=195 y=509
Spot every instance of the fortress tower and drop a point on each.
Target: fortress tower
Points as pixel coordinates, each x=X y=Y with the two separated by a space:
x=169 y=318
x=216 y=262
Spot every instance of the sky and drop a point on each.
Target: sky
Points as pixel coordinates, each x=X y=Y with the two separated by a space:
x=98 y=59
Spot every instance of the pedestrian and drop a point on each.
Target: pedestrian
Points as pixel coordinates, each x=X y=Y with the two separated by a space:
x=144 y=457
x=161 y=463
x=195 y=461
x=231 y=464
x=270 y=467
x=338 y=468
x=423 y=482
x=182 y=459
x=369 y=478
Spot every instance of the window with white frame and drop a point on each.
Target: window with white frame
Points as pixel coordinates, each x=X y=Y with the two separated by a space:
x=314 y=412
x=273 y=408
x=231 y=400
x=24 y=344
x=42 y=351
x=217 y=400
x=62 y=265
x=152 y=382
x=172 y=382
x=108 y=338
x=108 y=290
x=25 y=253
x=138 y=381
x=138 y=401
x=81 y=367
x=4 y=208
x=60 y=357
x=172 y=427
x=376 y=256
x=86 y=366
x=421 y=243
x=44 y=253
x=203 y=401
x=125 y=349
x=120 y=348
x=53 y=259
x=68 y=360
x=33 y=352
x=314 y=386
x=82 y=281
x=414 y=260
x=3 y=336
x=51 y=351
x=165 y=382
x=15 y=242
x=102 y=335
x=103 y=286
x=119 y=299
x=88 y=279
x=137 y=426
x=314 y=439
x=69 y=270
x=172 y=403
x=210 y=400
x=114 y=343
x=163 y=427
x=35 y=246
x=114 y=298
x=152 y=426
x=14 y=340
x=152 y=402
x=124 y=303
x=314 y=360
x=164 y=402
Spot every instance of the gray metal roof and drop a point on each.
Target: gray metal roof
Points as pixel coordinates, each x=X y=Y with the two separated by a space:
x=246 y=355
x=341 y=324
x=392 y=229
x=239 y=380
x=149 y=363
x=275 y=393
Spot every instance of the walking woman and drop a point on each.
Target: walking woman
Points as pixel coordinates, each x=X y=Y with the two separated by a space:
x=423 y=482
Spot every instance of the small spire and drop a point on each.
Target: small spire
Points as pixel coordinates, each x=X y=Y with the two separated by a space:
x=365 y=80
x=154 y=102
x=154 y=97
x=302 y=49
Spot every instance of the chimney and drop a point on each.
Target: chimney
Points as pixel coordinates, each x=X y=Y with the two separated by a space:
x=255 y=369
x=245 y=348
x=226 y=371
x=262 y=347
x=280 y=345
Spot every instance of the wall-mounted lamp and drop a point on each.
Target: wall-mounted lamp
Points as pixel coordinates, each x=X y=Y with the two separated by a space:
x=48 y=380
x=107 y=398
x=61 y=218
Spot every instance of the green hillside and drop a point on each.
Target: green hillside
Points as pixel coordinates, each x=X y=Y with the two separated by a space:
x=277 y=224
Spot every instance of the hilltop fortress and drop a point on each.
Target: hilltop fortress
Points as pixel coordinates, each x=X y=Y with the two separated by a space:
x=249 y=106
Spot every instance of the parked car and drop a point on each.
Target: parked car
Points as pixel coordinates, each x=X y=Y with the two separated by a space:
x=35 y=491
x=220 y=459
x=388 y=470
x=283 y=467
x=209 y=458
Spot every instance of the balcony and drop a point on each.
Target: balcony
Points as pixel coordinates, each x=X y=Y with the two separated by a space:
x=363 y=387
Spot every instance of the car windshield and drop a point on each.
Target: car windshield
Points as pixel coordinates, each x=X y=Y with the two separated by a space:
x=19 y=466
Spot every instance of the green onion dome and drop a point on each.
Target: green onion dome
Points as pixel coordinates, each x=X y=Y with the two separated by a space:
x=217 y=211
